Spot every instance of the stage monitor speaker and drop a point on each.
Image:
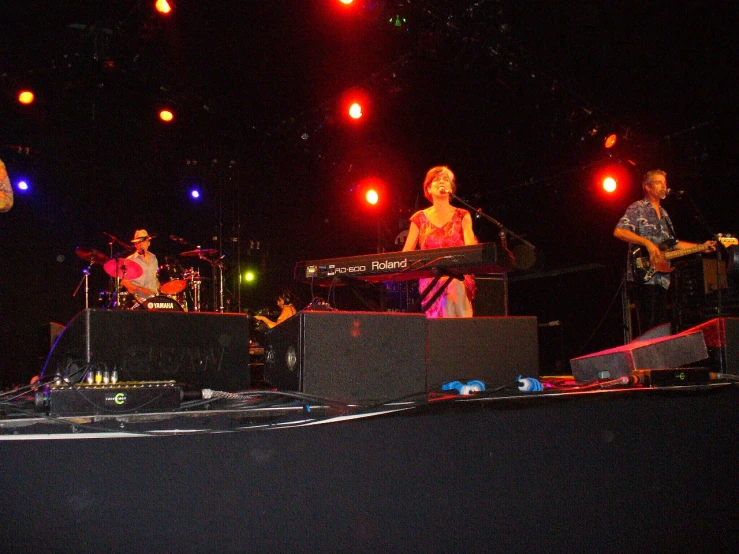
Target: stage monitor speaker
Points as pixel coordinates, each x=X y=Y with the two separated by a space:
x=352 y=357
x=495 y=350
x=197 y=350
x=659 y=353
x=722 y=340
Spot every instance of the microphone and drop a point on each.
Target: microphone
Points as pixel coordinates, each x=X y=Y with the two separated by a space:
x=442 y=189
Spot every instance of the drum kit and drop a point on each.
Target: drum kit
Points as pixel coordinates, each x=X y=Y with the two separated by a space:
x=179 y=287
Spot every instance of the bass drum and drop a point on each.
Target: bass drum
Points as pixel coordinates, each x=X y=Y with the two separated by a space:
x=171 y=279
x=159 y=303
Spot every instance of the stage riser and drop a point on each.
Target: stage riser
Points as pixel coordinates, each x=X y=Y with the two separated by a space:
x=198 y=350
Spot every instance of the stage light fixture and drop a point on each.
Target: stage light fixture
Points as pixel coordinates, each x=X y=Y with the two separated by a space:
x=249 y=276
x=610 y=185
x=22 y=185
x=163 y=6
x=355 y=110
x=26 y=97
x=166 y=115
x=610 y=140
x=354 y=106
x=398 y=21
x=372 y=197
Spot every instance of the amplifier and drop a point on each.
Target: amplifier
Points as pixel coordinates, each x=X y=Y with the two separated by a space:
x=118 y=399
x=672 y=377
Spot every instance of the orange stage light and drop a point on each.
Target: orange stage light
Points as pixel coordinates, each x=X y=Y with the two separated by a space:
x=163 y=6
x=166 y=115
x=26 y=97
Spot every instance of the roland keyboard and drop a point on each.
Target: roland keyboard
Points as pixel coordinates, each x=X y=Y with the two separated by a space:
x=401 y=266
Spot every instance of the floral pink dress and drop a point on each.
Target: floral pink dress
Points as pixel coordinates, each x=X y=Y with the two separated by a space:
x=431 y=236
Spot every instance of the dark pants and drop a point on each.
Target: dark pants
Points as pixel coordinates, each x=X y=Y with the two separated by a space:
x=653 y=306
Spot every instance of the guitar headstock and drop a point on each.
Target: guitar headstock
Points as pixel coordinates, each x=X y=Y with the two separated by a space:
x=727 y=240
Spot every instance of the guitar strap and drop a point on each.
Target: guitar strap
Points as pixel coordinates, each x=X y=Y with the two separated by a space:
x=670 y=228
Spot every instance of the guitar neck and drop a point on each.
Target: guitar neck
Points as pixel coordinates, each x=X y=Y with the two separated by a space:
x=672 y=254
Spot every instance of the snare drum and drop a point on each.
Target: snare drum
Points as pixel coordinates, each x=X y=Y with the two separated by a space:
x=159 y=302
x=171 y=279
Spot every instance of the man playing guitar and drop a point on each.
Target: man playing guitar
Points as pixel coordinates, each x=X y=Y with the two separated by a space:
x=647 y=226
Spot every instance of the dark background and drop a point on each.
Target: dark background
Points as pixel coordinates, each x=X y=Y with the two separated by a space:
x=514 y=97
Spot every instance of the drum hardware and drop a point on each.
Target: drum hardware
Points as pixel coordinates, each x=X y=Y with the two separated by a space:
x=94 y=257
x=200 y=252
x=119 y=269
x=127 y=247
x=194 y=279
x=171 y=279
x=123 y=268
x=203 y=254
x=91 y=255
x=117 y=299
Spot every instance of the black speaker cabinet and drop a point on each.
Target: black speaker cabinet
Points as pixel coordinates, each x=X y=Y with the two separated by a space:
x=353 y=357
x=491 y=298
x=197 y=350
x=495 y=350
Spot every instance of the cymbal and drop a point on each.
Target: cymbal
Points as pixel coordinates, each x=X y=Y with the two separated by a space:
x=200 y=252
x=123 y=268
x=91 y=255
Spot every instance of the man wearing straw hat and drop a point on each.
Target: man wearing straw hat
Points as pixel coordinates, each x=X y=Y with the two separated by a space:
x=147 y=285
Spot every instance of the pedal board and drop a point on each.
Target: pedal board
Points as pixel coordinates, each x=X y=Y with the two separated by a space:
x=121 y=398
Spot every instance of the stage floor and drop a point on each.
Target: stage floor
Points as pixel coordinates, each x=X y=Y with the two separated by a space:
x=607 y=470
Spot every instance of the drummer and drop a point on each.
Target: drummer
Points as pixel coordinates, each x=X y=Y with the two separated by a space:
x=147 y=285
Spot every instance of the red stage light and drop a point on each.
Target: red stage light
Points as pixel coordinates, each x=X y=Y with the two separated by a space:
x=354 y=105
x=610 y=141
x=355 y=110
x=372 y=197
x=610 y=184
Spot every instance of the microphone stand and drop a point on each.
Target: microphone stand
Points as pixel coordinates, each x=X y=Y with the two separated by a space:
x=503 y=233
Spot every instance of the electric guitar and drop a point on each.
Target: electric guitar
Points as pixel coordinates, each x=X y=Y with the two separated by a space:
x=644 y=270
